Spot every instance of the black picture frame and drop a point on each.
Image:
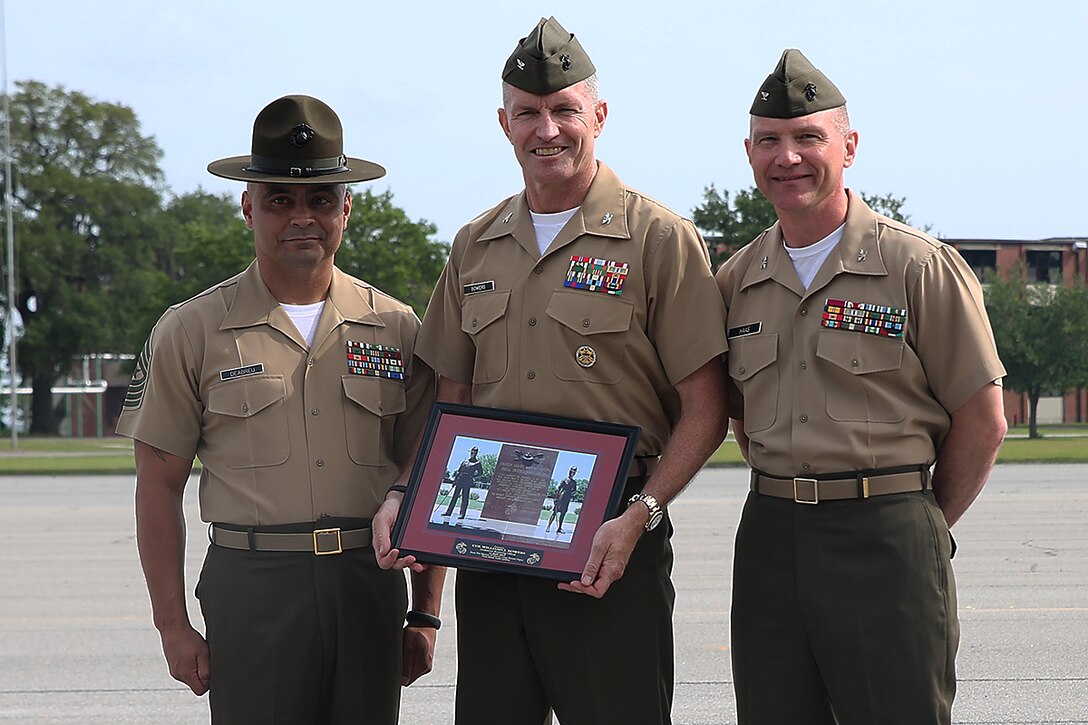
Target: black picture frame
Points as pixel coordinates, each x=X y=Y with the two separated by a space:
x=494 y=510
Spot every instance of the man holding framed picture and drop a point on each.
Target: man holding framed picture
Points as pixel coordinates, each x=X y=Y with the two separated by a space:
x=575 y=297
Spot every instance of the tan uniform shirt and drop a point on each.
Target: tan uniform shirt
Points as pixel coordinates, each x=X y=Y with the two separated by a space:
x=825 y=387
x=285 y=433
x=515 y=324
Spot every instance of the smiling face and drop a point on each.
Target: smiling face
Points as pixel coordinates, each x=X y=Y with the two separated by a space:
x=798 y=163
x=553 y=138
x=296 y=226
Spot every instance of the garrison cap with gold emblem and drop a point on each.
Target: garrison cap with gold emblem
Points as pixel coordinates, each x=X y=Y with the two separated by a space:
x=297 y=140
x=549 y=59
x=795 y=88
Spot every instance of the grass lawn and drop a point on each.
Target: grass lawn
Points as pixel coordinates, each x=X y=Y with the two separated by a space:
x=59 y=456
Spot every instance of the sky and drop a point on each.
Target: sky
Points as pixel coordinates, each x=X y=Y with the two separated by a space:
x=974 y=111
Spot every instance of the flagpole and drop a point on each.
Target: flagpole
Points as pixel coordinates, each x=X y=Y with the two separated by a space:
x=9 y=199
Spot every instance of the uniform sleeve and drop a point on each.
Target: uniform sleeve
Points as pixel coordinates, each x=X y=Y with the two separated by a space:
x=686 y=315
x=419 y=398
x=162 y=407
x=952 y=332
x=442 y=343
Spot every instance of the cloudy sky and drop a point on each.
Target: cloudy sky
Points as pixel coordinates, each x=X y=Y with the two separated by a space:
x=975 y=111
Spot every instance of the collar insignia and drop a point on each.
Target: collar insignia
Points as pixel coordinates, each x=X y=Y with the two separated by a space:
x=506 y=219
x=862 y=254
x=606 y=219
x=763 y=265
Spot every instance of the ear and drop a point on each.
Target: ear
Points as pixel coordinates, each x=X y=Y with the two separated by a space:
x=247 y=209
x=851 y=148
x=600 y=114
x=504 y=121
x=748 y=150
x=347 y=205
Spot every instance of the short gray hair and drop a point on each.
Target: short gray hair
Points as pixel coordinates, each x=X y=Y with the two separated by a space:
x=591 y=84
x=840 y=117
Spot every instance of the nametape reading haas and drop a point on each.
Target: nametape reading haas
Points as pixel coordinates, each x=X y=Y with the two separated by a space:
x=752 y=328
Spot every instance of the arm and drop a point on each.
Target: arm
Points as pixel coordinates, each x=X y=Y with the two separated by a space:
x=969 y=451
x=419 y=641
x=382 y=525
x=700 y=430
x=160 y=538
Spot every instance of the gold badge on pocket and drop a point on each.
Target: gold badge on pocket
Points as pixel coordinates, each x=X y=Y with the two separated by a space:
x=586 y=356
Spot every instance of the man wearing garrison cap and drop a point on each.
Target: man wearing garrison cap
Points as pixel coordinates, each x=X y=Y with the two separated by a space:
x=862 y=386
x=298 y=388
x=580 y=297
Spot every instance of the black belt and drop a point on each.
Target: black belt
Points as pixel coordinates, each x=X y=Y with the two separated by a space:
x=319 y=541
x=841 y=486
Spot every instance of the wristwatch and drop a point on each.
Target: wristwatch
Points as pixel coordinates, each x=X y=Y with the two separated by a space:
x=656 y=512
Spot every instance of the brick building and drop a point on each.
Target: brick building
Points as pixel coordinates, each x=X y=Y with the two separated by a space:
x=1048 y=261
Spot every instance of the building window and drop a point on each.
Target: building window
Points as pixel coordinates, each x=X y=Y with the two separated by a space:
x=983 y=263
x=1044 y=267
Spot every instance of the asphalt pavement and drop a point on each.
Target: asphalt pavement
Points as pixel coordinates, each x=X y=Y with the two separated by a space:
x=77 y=644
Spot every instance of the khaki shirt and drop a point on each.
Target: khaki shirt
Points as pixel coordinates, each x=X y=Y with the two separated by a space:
x=502 y=319
x=823 y=399
x=285 y=433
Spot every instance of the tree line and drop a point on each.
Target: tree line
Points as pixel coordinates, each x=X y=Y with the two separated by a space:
x=103 y=248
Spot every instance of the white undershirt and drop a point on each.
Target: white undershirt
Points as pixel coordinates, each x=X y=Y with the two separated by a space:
x=305 y=318
x=547 y=226
x=808 y=260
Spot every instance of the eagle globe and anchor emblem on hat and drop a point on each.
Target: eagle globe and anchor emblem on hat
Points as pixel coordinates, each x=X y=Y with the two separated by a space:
x=297 y=140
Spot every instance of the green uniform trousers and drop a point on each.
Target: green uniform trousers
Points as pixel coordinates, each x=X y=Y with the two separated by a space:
x=298 y=639
x=844 y=612
x=524 y=646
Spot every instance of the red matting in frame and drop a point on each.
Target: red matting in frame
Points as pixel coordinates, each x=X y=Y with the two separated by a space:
x=417 y=532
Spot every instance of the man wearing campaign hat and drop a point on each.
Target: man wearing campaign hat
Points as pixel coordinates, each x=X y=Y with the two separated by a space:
x=865 y=392
x=299 y=389
x=576 y=297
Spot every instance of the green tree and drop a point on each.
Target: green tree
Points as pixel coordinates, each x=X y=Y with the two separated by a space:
x=86 y=187
x=730 y=223
x=390 y=251
x=1042 y=336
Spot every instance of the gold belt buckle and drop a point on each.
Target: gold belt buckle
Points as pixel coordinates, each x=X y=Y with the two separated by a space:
x=323 y=542
x=815 y=491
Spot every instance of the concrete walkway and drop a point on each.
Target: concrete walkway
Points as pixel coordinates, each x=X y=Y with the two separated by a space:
x=77 y=645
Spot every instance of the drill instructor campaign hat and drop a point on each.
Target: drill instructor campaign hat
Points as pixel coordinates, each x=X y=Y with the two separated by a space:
x=795 y=88
x=297 y=140
x=547 y=60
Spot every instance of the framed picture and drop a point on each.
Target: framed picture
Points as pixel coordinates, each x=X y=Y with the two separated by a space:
x=505 y=491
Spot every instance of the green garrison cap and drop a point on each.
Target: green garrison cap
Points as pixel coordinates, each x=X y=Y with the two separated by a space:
x=297 y=140
x=549 y=59
x=796 y=88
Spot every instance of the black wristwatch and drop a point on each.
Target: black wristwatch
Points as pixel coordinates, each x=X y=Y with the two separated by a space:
x=656 y=512
x=422 y=619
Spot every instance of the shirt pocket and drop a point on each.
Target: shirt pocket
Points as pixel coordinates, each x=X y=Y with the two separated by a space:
x=589 y=343
x=862 y=376
x=483 y=318
x=752 y=367
x=371 y=406
x=250 y=415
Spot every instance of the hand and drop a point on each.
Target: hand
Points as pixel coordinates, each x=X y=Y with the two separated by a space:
x=612 y=547
x=381 y=533
x=418 y=653
x=187 y=655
